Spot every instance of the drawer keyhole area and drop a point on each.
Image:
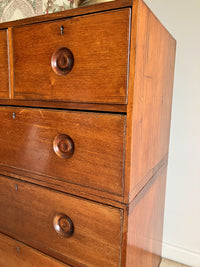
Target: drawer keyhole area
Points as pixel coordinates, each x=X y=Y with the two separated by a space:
x=61 y=30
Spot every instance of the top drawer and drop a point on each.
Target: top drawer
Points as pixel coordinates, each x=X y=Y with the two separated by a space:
x=81 y=59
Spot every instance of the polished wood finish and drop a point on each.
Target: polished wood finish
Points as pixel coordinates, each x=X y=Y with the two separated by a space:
x=62 y=60
x=63 y=186
x=27 y=144
x=150 y=98
x=106 y=32
x=63 y=146
x=84 y=181
x=121 y=108
x=4 y=72
x=111 y=5
x=14 y=253
x=145 y=224
x=10 y=59
x=27 y=213
x=63 y=225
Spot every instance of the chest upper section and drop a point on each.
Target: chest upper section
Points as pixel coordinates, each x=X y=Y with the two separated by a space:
x=78 y=59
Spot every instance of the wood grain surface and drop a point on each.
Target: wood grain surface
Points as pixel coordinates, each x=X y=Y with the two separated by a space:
x=110 y=5
x=85 y=186
x=99 y=44
x=63 y=186
x=149 y=102
x=114 y=108
x=27 y=213
x=4 y=72
x=145 y=224
x=14 y=253
x=27 y=137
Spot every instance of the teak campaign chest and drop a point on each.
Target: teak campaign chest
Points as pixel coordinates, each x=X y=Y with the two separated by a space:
x=85 y=110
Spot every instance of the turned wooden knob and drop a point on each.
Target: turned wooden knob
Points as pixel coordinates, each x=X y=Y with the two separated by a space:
x=62 y=61
x=63 y=146
x=63 y=225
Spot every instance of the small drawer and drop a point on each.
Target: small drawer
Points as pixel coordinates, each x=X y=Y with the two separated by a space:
x=4 y=73
x=76 y=231
x=14 y=253
x=80 y=59
x=81 y=148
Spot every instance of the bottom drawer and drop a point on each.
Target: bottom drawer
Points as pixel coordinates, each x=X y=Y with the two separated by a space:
x=76 y=231
x=14 y=253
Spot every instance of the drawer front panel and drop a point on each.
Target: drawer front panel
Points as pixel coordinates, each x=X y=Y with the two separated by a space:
x=92 y=69
x=35 y=141
x=4 y=74
x=14 y=253
x=28 y=213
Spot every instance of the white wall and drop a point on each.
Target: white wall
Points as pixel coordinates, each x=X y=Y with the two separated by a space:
x=182 y=210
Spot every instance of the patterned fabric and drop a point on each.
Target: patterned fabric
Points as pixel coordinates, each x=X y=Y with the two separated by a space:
x=18 y=9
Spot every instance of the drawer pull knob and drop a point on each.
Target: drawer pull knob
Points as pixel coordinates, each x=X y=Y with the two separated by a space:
x=63 y=225
x=62 y=61
x=63 y=146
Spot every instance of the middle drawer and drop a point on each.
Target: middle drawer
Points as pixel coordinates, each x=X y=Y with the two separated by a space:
x=83 y=148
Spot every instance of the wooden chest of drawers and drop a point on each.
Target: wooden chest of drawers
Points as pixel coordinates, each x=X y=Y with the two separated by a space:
x=85 y=110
